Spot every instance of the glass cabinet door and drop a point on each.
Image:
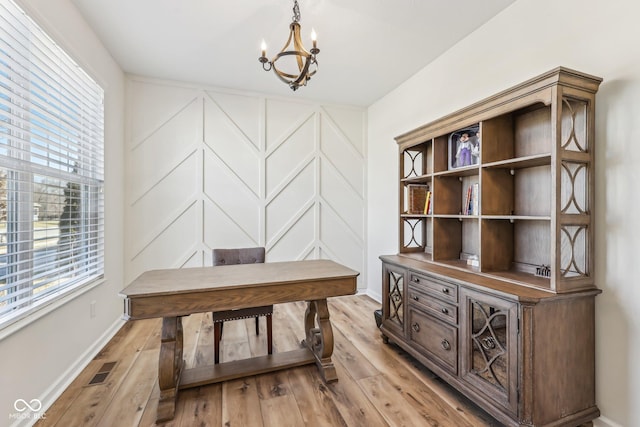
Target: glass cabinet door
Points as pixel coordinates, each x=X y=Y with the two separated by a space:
x=490 y=347
x=393 y=282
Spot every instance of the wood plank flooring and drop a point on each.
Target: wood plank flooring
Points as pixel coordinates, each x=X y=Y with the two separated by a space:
x=379 y=385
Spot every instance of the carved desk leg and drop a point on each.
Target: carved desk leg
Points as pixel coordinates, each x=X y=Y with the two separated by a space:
x=320 y=339
x=169 y=367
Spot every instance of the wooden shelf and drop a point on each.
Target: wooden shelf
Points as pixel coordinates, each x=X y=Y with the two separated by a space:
x=516 y=217
x=521 y=162
x=521 y=278
x=416 y=179
x=466 y=171
x=457 y=216
x=458 y=265
x=515 y=155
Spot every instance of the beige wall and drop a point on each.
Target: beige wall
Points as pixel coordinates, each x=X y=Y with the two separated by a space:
x=40 y=357
x=211 y=168
x=527 y=39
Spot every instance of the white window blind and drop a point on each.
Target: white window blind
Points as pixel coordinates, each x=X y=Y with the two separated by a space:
x=51 y=169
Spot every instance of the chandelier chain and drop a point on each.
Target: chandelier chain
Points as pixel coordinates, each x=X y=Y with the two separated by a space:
x=296 y=12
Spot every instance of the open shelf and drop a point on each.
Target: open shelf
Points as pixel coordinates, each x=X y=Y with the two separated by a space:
x=416 y=179
x=459 y=265
x=458 y=216
x=514 y=218
x=465 y=171
x=521 y=162
x=522 y=278
x=523 y=188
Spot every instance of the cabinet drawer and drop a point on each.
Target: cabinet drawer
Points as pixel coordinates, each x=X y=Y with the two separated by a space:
x=437 y=339
x=435 y=287
x=436 y=307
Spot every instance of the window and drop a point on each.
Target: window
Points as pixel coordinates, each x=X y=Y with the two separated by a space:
x=51 y=169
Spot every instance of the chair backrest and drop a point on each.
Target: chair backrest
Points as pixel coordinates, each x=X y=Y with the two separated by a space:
x=238 y=256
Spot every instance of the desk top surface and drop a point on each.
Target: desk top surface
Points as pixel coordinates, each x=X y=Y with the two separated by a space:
x=186 y=280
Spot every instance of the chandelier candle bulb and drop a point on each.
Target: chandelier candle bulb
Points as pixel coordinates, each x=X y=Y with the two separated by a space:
x=314 y=38
x=263 y=48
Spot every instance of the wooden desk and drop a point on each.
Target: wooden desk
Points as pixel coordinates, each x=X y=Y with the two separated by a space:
x=174 y=293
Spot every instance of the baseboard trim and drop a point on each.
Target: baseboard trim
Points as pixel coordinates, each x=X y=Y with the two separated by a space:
x=60 y=385
x=605 y=422
x=374 y=295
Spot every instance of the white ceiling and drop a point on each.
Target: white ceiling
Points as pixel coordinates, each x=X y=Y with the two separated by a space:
x=368 y=47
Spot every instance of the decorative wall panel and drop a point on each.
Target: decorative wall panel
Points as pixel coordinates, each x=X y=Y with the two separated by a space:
x=208 y=168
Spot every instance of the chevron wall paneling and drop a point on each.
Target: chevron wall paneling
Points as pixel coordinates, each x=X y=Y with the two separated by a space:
x=208 y=168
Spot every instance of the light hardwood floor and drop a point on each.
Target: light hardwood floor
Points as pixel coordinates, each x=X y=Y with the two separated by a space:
x=379 y=385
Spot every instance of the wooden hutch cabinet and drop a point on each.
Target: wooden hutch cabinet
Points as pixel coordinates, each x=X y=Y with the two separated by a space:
x=492 y=288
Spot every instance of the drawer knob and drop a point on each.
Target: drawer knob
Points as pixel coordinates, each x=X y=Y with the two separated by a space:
x=415 y=327
x=417 y=280
x=445 y=344
x=445 y=310
x=445 y=290
x=416 y=298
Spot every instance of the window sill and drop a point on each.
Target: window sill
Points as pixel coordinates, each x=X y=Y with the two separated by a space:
x=46 y=306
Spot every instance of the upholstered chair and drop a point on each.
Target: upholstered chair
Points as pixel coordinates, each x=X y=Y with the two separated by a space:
x=231 y=257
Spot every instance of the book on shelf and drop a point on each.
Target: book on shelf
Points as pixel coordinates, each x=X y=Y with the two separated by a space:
x=416 y=198
x=467 y=202
x=475 y=206
x=427 y=204
x=471 y=206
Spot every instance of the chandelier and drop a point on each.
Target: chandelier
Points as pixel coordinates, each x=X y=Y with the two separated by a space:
x=305 y=61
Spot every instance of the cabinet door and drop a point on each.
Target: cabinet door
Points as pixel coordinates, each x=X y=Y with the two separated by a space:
x=394 y=302
x=489 y=347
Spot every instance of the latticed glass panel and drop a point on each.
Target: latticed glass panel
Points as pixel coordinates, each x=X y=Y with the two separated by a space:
x=413 y=163
x=414 y=233
x=574 y=188
x=489 y=344
x=573 y=251
x=396 y=290
x=574 y=125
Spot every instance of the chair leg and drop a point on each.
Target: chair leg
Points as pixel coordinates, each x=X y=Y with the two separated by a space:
x=257 y=325
x=217 y=335
x=269 y=343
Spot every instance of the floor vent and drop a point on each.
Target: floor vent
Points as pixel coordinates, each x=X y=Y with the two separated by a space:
x=102 y=374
